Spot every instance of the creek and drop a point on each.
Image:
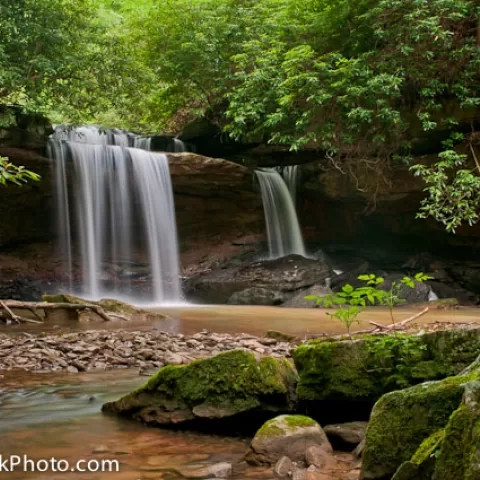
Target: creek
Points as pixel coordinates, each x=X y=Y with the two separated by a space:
x=59 y=415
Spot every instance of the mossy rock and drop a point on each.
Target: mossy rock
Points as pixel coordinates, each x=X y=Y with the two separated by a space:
x=422 y=464
x=402 y=420
x=286 y=436
x=459 y=455
x=341 y=373
x=228 y=385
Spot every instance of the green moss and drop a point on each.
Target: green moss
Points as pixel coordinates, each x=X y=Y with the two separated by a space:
x=233 y=382
x=284 y=423
x=401 y=420
x=294 y=421
x=332 y=370
x=453 y=349
x=364 y=370
x=459 y=456
x=428 y=447
x=270 y=429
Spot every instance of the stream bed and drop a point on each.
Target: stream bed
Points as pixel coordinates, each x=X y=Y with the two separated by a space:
x=59 y=416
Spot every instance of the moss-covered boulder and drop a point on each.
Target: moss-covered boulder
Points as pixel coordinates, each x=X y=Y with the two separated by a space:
x=459 y=454
x=346 y=378
x=403 y=419
x=286 y=436
x=422 y=464
x=233 y=385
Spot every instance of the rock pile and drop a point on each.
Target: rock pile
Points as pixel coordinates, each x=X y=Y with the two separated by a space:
x=90 y=350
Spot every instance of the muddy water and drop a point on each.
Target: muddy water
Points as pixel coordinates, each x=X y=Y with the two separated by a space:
x=256 y=320
x=45 y=416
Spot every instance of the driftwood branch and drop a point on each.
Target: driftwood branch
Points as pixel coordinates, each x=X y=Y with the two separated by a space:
x=413 y=317
x=396 y=326
x=33 y=307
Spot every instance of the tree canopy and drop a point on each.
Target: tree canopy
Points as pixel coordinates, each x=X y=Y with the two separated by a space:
x=358 y=81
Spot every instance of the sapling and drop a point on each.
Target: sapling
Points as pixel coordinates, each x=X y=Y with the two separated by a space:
x=352 y=301
x=391 y=297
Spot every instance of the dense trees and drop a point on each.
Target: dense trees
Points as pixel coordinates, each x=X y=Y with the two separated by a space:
x=356 y=80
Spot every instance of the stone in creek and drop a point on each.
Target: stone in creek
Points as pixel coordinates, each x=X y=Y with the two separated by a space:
x=229 y=385
x=286 y=435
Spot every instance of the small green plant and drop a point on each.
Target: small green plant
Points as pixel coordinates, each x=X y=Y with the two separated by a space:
x=352 y=301
x=391 y=297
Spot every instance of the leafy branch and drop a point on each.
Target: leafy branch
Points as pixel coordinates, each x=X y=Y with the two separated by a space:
x=18 y=175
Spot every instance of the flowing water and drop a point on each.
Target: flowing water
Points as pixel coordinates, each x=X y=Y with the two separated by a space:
x=291 y=175
x=283 y=230
x=179 y=146
x=110 y=186
x=46 y=416
x=58 y=416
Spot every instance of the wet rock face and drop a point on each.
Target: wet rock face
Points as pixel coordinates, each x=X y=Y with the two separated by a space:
x=266 y=282
x=229 y=386
x=214 y=199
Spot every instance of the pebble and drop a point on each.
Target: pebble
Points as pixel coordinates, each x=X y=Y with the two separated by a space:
x=103 y=349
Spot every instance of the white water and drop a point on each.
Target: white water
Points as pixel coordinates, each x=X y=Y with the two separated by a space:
x=283 y=229
x=291 y=175
x=179 y=146
x=118 y=210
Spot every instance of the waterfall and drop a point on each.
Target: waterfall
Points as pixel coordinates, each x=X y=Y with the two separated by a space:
x=117 y=208
x=291 y=175
x=145 y=143
x=283 y=229
x=179 y=146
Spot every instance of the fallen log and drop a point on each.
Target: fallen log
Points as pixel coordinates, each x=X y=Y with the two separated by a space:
x=34 y=307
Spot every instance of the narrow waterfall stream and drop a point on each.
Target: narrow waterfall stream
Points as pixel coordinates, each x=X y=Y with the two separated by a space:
x=291 y=175
x=283 y=229
x=115 y=207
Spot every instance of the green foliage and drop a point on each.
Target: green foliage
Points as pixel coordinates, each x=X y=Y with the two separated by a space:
x=354 y=80
x=453 y=191
x=67 y=58
x=351 y=301
x=17 y=175
x=402 y=351
x=391 y=296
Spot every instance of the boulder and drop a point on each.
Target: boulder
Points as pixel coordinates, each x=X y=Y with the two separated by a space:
x=402 y=420
x=277 y=279
x=232 y=386
x=299 y=301
x=346 y=435
x=422 y=464
x=458 y=455
x=340 y=381
x=286 y=436
x=257 y=296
